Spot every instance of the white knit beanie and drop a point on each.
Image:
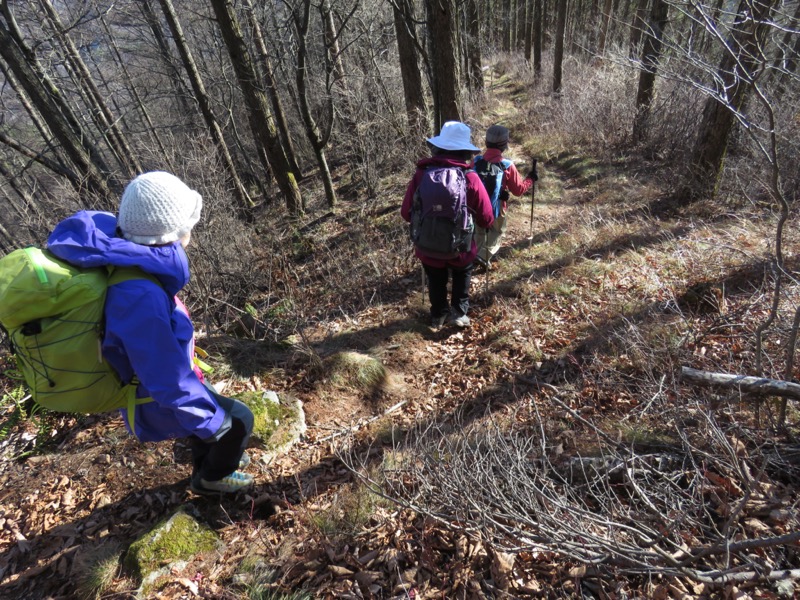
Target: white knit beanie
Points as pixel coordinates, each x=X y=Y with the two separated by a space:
x=158 y=208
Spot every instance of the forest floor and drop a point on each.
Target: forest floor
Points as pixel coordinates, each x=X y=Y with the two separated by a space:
x=577 y=302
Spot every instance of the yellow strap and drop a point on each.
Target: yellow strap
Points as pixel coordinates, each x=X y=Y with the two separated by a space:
x=133 y=402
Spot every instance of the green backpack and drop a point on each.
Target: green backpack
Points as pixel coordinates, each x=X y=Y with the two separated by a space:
x=53 y=314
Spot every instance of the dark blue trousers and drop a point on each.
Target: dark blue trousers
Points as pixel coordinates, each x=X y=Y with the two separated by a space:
x=219 y=456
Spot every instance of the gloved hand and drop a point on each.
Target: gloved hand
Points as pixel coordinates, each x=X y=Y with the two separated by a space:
x=533 y=174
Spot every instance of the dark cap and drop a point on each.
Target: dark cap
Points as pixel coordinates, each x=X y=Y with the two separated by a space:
x=497 y=134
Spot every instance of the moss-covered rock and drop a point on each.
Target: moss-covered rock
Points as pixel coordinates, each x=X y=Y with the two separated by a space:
x=279 y=421
x=356 y=371
x=171 y=542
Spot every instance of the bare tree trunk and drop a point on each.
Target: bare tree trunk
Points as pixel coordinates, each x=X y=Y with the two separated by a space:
x=262 y=124
x=538 y=24
x=606 y=23
x=203 y=101
x=647 y=77
x=301 y=22
x=637 y=26
x=736 y=72
x=474 y=46
x=271 y=88
x=40 y=125
x=134 y=91
x=106 y=122
x=181 y=93
x=407 y=49
x=558 y=52
x=445 y=71
x=332 y=43
x=50 y=105
x=528 y=28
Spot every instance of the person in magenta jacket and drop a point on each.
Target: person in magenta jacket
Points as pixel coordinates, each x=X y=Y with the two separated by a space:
x=452 y=147
x=489 y=240
x=148 y=333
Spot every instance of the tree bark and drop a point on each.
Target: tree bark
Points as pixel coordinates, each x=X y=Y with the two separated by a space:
x=558 y=51
x=537 y=36
x=637 y=26
x=647 y=78
x=48 y=101
x=405 y=30
x=752 y=385
x=105 y=120
x=301 y=22
x=262 y=124
x=473 y=45
x=737 y=70
x=445 y=71
x=203 y=101
x=271 y=88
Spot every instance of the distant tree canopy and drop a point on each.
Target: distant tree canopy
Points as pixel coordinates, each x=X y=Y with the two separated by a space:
x=251 y=99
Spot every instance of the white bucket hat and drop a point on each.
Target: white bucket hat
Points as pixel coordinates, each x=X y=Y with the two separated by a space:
x=158 y=208
x=454 y=136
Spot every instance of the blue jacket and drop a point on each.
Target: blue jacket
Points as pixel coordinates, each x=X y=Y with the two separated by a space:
x=146 y=332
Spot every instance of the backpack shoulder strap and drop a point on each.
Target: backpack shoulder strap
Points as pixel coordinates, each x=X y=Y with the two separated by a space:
x=119 y=274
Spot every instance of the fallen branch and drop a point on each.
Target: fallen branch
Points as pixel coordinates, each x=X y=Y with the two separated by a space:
x=745 y=383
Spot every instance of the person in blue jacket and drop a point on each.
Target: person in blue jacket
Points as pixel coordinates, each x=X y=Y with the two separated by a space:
x=148 y=333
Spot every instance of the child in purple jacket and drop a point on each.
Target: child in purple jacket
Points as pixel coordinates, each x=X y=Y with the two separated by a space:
x=149 y=336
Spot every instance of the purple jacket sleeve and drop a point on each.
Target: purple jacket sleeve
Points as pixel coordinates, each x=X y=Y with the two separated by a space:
x=145 y=336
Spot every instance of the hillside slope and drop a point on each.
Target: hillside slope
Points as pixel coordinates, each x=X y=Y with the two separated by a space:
x=584 y=318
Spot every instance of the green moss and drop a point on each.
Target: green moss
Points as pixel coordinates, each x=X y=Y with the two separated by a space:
x=272 y=419
x=179 y=538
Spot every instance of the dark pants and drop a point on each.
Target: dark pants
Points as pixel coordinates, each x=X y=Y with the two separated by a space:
x=219 y=456
x=437 y=290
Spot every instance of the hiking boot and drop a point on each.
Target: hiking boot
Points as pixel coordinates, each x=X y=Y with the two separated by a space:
x=462 y=321
x=245 y=461
x=230 y=484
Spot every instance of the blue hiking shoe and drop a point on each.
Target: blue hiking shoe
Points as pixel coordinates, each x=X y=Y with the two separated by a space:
x=230 y=484
x=245 y=461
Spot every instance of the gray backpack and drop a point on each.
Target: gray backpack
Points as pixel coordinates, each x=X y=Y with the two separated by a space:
x=441 y=224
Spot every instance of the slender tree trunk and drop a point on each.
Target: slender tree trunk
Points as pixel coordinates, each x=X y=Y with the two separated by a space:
x=301 y=22
x=181 y=93
x=647 y=78
x=203 y=101
x=606 y=23
x=47 y=100
x=538 y=24
x=106 y=122
x=262 y=124
x=785 y=63
x=271 y=88
x=637 y=25
x=474 y=46
x=445 y=71
x=558 y=52
x=332 y=43
x=40 y=125
x=737 y=70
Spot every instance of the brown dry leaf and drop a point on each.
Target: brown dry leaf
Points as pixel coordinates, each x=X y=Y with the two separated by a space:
x=502 y=569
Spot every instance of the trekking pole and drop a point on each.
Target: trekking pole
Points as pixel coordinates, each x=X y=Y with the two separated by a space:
x=421 y=266
x=533 y=199
x=486 y=245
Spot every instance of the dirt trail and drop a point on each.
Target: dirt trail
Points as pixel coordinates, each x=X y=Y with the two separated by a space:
x=102 y=488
